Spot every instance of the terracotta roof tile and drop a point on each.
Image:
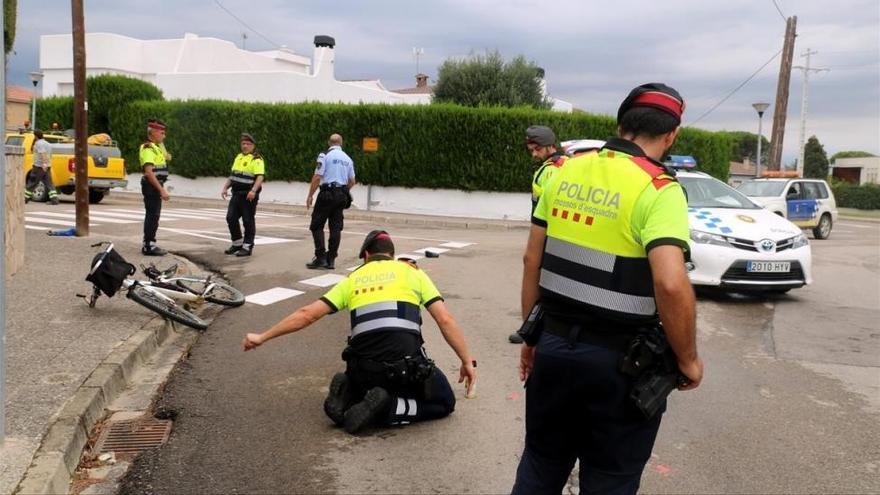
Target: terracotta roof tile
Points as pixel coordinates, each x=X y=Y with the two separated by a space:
x=18 y=93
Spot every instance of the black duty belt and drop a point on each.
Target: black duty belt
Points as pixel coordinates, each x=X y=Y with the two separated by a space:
x=575 y=332
x=328 y=187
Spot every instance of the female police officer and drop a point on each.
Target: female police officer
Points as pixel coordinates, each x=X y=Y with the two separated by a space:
x=388 y=378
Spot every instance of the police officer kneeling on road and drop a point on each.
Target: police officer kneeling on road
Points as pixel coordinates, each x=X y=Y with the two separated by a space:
x=605 y=255
x=389 y=379
x=246 y=181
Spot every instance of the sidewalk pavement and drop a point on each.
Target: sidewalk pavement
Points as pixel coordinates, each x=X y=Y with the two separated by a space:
x=55 y=343
x=862 y=215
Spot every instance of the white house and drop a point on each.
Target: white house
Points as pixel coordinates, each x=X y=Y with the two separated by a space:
x=209 y=68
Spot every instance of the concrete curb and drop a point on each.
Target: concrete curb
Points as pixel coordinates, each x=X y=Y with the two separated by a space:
x=858 y=219
x=58 y=456
x=380 y=218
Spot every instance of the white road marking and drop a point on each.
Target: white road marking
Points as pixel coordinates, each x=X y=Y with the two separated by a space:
x=353 y=268
x=323 y=280
x=272 y=296
x=113 y=214
x=73 y=217
x=263 y=213
x=433 y=249
x=168 y=213
x=36 y=227
x=457 y=245
x=857 y=226
x=414 y=257
x=55 y=222
x=208 y=234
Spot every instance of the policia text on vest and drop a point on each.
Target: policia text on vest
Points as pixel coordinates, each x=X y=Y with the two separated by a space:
x=606 y=259
x=388 y=379
x=246 y=181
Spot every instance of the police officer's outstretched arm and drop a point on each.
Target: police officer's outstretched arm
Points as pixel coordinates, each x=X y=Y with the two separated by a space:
x=296 y=321
x=455 y=338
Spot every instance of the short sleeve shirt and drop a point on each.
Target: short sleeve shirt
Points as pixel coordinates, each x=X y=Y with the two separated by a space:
x=42 y=147
x=152 y=155
x=422 y=291
x=335 y=166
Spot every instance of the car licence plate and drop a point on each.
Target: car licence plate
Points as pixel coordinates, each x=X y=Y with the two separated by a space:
x=768 y=266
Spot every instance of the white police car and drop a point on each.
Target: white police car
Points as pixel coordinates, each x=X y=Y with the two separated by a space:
x=735 y=243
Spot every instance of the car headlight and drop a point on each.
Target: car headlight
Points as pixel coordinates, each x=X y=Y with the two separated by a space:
x=707 y=238
x=800 y=241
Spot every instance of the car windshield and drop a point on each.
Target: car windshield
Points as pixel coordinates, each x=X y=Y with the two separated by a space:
x=759 y=188
x=706 y=192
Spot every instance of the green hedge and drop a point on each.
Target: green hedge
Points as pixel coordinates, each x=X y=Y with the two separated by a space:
x=865 y=197
x=55 y=109
x=436 y=146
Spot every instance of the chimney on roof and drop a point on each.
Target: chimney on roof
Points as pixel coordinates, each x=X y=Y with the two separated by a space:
x=323 y=59
x=421 y=80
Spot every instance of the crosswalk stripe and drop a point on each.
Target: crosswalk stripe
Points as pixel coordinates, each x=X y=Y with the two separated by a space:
x=50 y=221
x=169 y=213
x=73 y=216
x=264 y=214
x=36 y=227
x=324 y=280
x=207 y=234
x=113 y=214
x=272 y=296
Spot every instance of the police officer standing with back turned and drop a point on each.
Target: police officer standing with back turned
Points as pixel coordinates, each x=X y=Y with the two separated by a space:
x=606 y=257
x=388 y=378
x=246 y=181
x=334 y=176
x=541 y=145
x=153 y=158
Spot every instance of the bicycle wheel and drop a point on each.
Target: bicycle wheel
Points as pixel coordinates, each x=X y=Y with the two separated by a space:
x=169 y=309
x=222 y=293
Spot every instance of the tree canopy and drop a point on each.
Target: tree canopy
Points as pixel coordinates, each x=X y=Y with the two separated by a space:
x=489 y=80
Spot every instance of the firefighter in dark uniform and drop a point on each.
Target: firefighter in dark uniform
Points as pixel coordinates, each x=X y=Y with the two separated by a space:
x=334 y=177
x=388 y=379
x=154 y=162
x=605 y=255
x=541 y=145
x=246 y=181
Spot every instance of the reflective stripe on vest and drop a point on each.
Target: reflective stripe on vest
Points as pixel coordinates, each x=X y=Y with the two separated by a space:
x=386 y=315
x=242 y=177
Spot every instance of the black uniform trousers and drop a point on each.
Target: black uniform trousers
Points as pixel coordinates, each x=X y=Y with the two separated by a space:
x=329 y=206
x=578 y=407
x=242 y=209
x=430 y=399
x=152 y=212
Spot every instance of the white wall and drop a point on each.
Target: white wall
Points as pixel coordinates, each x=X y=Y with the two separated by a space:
x=870 y=173
x=417 y=201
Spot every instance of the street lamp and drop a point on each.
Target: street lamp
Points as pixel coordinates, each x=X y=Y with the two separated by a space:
x=760 y=108
x=36 y=77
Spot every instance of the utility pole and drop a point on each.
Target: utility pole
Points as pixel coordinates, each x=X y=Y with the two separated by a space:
x=417 y=53
x=781 y=108
x=806 y=70
x=3 y=248
x=80 y=119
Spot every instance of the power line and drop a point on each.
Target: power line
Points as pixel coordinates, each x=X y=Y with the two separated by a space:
x=240 y=21
x=701 y=117
x=779 y=10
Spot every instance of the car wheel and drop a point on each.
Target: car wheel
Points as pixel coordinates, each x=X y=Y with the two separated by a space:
x=40 y=193
x=823 y=230
x=779 y=213
x=95 y=197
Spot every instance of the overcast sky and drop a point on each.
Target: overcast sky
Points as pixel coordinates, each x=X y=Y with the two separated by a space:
x=592 y=55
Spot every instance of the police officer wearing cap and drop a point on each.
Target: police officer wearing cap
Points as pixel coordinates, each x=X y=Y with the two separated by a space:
x=541 y=145
x=246 y=181
x=334 y=177
x=154 y=163
x=388 y=378
x=606 y=258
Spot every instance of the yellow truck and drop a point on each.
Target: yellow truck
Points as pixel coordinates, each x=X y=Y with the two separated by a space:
x=106 y=168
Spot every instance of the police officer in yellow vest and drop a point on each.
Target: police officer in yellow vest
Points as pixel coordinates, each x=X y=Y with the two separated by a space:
x=154 y=162
x=606 y=258
x=246 y=181
x=388 y=379
x=541 y=145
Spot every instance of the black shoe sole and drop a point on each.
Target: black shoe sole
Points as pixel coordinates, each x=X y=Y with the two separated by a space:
x=337 y=399
x=367 y=411
x=514 y=338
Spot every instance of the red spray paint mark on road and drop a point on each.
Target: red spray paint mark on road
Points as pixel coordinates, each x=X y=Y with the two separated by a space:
x=513 y=396
x=663 y=469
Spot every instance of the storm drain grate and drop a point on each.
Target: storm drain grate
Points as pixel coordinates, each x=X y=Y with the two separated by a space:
x=133 y=437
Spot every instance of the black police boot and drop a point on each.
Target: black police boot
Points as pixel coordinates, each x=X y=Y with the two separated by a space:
x=514 y=338
x=153 y=251
x=376 y=403
x=232 y=249
x=331 y=262
x=338 y=399
x=244 y=251
x=317 y=262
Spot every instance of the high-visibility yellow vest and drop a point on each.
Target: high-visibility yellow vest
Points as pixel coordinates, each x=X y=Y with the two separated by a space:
x=603 y=211
x=384 y=295
x=151 y=153
x=543 y=175
x=245 y=170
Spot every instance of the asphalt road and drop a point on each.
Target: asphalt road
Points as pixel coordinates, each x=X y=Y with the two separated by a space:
x=790 y=403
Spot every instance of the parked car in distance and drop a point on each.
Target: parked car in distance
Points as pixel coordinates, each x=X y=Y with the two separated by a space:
x=808 y=203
